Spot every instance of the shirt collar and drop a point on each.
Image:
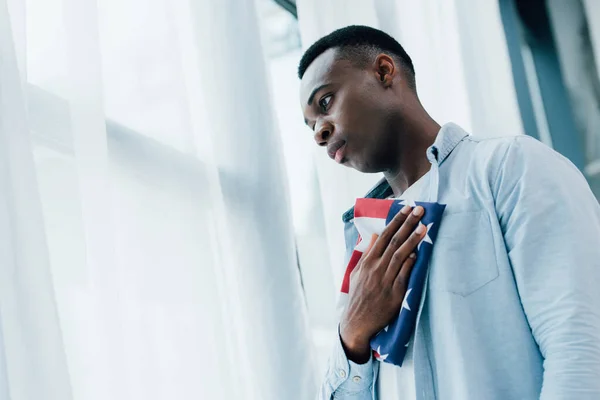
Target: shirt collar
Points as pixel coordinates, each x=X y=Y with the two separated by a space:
x=449 y=136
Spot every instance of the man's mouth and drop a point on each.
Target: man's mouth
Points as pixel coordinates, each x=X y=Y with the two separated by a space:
x=337 y=150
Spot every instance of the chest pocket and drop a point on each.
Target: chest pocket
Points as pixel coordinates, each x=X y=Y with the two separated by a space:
x=464 y=256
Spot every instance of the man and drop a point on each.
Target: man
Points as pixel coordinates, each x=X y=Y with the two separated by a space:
x=511 y=308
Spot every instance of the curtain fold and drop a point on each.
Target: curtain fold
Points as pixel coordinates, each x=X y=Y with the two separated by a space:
x=255 y=196
x=147 y=247
x=32 y=343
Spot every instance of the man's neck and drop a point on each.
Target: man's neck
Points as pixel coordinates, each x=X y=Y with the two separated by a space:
x=413 y=162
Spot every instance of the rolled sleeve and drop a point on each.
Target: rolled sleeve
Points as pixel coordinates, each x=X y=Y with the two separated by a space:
x=347 y=380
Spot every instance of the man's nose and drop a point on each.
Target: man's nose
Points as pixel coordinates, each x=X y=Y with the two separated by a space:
x=323 y=133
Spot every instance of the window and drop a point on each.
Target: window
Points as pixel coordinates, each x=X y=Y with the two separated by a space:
x=570 y=25
x=150 y=259
x=556 y=77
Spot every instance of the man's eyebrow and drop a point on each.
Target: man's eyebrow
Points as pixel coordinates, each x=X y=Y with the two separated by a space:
x=314 y=92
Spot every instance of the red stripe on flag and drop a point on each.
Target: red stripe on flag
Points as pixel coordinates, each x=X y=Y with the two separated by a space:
x=351 y=265
x=372 y=208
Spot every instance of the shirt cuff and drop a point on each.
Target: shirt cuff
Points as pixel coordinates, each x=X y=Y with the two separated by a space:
x=348 y=376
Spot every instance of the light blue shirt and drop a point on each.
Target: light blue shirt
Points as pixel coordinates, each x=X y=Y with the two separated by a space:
x=512 y=303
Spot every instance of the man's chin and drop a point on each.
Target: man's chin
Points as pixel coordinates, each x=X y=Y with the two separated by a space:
x=364 y=168
x=360 y=164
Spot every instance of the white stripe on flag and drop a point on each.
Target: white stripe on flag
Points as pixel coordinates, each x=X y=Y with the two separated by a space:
x=366 y=227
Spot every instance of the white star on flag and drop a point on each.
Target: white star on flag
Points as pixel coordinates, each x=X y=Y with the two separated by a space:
x=408 y=202
x=426 y=238
x=381 y=357
x=405 y=301
x=386 y=328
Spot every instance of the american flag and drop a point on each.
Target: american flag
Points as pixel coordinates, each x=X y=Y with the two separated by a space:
x=370 y=217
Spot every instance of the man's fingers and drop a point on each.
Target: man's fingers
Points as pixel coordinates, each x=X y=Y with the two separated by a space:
x=371 y=244
x=413 y=241
x=401 y=280
x=398 y=257
x=403 y=234
x=366 y=253
x=390 y=230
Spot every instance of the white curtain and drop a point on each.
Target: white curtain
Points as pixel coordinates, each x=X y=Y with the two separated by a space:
x=146 y=248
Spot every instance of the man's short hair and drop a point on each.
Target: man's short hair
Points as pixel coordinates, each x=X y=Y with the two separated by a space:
x=360 y=45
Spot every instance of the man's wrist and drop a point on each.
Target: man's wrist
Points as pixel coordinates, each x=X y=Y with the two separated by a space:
x=356 y=348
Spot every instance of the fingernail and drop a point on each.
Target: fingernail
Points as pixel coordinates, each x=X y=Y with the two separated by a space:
x=405 y=210
x=412 y=255
x=420 y=229
x=418 y=211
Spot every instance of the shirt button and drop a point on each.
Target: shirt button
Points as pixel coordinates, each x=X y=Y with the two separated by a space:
x=356 y=379
x=342 y=373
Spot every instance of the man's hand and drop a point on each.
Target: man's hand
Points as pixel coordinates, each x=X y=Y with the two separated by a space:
x=378 y=284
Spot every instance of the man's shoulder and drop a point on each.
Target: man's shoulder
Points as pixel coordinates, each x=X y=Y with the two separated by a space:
x=508 y=158
x=501 y=142
x=488 y=158
x=496 y=149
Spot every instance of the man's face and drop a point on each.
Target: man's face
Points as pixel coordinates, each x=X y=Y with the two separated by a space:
x=350 y=112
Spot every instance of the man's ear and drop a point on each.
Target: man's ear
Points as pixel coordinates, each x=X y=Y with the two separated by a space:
x=385 y=69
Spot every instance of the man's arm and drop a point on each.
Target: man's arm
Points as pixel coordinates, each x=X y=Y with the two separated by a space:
x=377 y=288
x=551 y=225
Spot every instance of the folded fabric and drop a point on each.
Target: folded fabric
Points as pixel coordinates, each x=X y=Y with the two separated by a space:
x=370 y=217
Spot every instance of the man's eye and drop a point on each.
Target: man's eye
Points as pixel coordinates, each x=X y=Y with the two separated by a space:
x=324 y=102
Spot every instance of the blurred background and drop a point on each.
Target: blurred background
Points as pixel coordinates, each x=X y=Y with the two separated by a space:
x=168 y=230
